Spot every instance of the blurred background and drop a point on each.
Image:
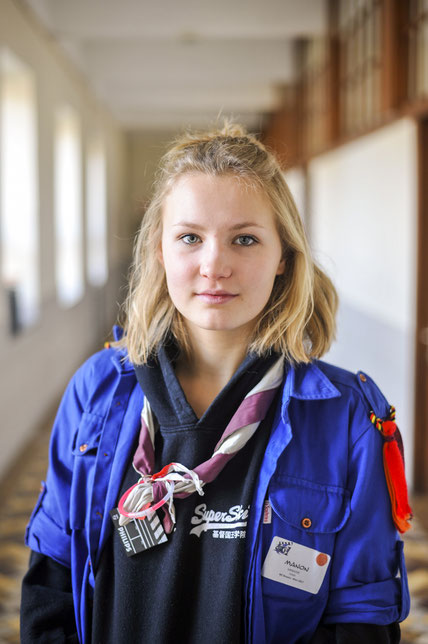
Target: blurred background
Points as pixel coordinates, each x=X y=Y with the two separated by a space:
x=91 y=91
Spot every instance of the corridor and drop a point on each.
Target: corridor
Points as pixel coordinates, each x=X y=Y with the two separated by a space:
x=91 y=93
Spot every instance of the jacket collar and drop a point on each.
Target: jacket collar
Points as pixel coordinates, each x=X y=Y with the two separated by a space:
x=119 y=357
x=303 y=381
x=307 y=382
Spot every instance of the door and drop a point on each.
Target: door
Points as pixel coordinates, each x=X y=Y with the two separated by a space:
x=421 y=389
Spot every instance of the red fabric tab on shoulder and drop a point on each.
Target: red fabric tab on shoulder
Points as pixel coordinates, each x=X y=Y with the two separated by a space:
x=393 y=462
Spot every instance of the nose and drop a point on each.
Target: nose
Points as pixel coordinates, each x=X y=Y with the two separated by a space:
x=215 y=262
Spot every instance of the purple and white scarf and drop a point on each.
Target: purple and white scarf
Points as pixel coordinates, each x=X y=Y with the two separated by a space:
x=158 y=490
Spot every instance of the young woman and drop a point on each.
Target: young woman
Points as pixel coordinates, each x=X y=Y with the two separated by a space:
x=210 y=480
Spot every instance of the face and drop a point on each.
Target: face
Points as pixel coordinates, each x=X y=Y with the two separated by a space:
x=221 y=252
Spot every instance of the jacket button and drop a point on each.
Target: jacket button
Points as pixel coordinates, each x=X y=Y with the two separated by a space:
x=363 y=378
x=306 y=522
x=83 y=447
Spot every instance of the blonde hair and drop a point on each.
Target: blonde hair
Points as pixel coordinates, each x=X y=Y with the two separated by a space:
x=299 y=318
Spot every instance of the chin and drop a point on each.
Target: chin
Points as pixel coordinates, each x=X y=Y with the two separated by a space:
x=213 y=325
x=221 y=325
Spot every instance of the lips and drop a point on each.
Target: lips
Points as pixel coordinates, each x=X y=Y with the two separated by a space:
x=216 y=297
x=208 y=292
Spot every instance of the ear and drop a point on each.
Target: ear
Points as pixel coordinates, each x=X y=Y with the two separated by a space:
x=281 y=267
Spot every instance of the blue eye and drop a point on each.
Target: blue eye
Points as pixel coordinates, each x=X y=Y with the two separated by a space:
x=190 y=239
x=246 y=240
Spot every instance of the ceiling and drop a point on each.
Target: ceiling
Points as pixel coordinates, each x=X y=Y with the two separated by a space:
x=167 y=64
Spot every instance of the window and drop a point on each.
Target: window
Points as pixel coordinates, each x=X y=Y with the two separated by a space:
x=96 y=213
x=418 y=49
x=19 y=190
x=360 y=30
x=68 y=208
x=315 y=70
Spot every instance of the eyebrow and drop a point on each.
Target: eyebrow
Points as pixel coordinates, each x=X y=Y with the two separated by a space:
x=193 y=224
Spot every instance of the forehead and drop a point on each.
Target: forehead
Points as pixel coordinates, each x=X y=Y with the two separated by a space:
x=203 y=195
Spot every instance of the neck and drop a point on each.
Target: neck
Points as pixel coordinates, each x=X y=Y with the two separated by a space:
x=214 y=356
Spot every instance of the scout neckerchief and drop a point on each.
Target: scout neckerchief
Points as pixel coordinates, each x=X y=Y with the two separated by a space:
x=154 y=491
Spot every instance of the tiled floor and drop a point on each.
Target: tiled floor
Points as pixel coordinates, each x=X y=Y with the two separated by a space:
x=19 y=494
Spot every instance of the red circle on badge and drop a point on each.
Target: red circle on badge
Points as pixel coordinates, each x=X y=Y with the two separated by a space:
x=321 y=559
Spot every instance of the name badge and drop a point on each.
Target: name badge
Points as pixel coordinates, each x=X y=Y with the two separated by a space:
x=295 y=565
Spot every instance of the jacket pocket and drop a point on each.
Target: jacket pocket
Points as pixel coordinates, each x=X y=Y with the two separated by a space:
x=309 y=508
x=85 y=451
x=306 y=514
x=298 y=540
x=88 y=435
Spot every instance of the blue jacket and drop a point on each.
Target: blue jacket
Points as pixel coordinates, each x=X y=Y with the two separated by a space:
x=322 y=473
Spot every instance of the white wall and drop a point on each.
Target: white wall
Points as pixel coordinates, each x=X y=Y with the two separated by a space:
x=296 y=181
x=363 y=205
x=145 y=151
x=36 y=364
